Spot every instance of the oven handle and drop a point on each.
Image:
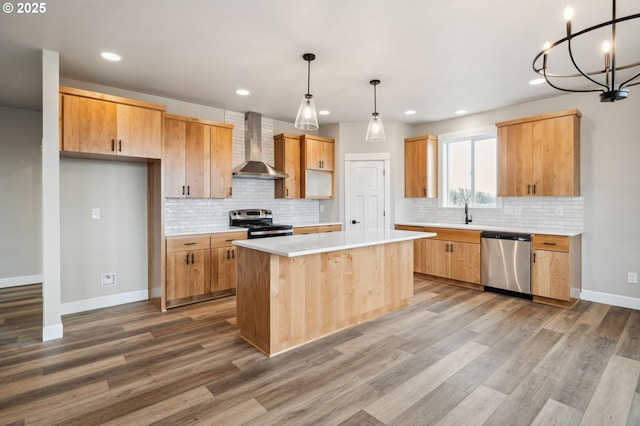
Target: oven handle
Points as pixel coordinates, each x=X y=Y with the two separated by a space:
x=273 y=232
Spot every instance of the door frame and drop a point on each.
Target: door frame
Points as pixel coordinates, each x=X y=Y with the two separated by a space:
x=349 y=159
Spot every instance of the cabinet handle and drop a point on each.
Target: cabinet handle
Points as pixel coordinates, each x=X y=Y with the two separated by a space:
x=549 y=244
x=230 y=190
x=228 y=255
x=233 y=254
x=182 y=189
x=534 y=258
x=120 y=145
x=188 y=189
x=189 y=244
x=187 y=258
x=446 y=248
x=192 y=258
x=319 y=164
x=528 y=189
x=534 y=188
x=451 y=248
x=286 y=192
x=113 y=144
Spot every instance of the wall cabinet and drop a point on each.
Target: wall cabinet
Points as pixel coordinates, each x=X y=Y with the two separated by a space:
x=197 y=158
x=555 y=269
x=540 y=156
x=287 y=159
x=188 y=271
x=317 y=156
x=200 y=267
x=421 y=167
x=94 y=123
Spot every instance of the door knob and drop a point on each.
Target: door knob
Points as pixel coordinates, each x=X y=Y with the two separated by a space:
x=353 y=222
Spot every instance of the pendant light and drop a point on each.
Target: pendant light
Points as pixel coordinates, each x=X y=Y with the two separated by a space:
x=307 y=119
x=375 y=131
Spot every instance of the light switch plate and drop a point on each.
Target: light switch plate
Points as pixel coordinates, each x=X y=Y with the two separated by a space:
x=632 y=277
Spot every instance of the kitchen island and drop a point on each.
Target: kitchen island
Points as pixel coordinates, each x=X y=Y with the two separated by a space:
x=296 y=289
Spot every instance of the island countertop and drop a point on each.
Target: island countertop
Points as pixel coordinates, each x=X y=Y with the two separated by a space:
x=302 y=245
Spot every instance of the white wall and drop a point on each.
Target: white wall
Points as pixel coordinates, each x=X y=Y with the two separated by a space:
x=117 y=242
x=21 y=196
x=609 y=179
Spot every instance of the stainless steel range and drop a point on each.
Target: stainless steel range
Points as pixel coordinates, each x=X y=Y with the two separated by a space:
x=259 y=223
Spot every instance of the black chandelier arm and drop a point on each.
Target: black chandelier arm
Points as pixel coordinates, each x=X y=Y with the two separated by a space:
x=568 y=90
x=633 y=84
x=573 y=61
x=625 y=83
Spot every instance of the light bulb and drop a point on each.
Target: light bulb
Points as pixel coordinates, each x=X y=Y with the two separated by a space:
x=568 y=13
x=307 y=110
x=375 y=126
x=606 y=46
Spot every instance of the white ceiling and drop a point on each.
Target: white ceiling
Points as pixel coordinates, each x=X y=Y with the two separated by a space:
x=434 y=57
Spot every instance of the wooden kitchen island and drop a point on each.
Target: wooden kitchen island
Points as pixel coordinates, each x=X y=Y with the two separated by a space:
x=296 y=289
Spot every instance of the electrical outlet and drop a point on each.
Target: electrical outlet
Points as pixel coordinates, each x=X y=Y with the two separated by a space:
x=559 y=211
x=109 y=279
x=632 y=277
x=95 y=213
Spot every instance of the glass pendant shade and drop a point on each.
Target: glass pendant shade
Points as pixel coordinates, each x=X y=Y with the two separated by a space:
x=307 y=118
x=375 y=131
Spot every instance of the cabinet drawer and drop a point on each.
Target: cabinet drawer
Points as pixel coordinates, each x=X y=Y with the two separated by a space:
x=550 y=243
x=329 y=228
x=301 y=230
x=197 y=242
x=410 y=228
x=224 y=239
x=459 y=235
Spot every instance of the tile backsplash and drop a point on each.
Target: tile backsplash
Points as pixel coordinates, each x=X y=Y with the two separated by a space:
x=529 y=212
x=203 y=215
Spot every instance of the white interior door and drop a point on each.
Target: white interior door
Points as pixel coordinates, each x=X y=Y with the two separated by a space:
x=367 y=195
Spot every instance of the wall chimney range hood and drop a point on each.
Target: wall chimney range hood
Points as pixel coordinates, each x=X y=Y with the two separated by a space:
x=254 y=167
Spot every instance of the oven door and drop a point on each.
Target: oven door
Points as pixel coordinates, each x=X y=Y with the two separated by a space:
x=268 y=233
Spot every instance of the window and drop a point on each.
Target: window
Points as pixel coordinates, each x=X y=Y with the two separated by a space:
x=469 y=171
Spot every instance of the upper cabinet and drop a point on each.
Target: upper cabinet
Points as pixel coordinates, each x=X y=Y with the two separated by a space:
x=421 y=167
x=197 y=158
x=318 y=152
x=309 y=162
x=540 y=156
x=95 y=123
x=287 y=159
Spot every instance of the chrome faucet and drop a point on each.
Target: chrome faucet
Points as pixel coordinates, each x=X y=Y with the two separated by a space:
x=467 y=219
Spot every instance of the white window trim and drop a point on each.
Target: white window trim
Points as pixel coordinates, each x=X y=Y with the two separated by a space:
x=445 y=138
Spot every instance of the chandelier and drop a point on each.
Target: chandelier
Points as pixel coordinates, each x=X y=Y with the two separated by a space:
x=605 y=78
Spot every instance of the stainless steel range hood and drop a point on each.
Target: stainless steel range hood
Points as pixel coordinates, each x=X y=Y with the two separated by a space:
x=254 y=167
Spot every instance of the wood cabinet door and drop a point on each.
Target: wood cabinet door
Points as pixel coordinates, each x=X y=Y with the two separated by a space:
x=437 y=259
x=223 y=264
x=415 y=169
x=88 y=125
x=465 y=262
x=420 y=256
x=550 y=275
x=139 y=132
x=221 y=162
x=515 y=174
x=312 y=154
x=199 y=272
x=327 y=155
x=289 y=158
x=175 y=148
x=177 y=279
x=198 y=160
x=554 y=152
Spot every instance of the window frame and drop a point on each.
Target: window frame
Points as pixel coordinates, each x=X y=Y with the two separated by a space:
x=488 y=132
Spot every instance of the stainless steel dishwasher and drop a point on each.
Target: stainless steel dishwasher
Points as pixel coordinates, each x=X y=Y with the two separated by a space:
x=506 y=263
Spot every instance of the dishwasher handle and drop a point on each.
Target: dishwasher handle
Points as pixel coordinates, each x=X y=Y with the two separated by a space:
x=505 y=236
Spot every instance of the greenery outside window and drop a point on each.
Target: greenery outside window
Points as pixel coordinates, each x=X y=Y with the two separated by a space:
x=469 y=169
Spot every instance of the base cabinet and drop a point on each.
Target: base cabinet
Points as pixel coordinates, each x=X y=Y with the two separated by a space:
x=302 y=230
x=200 y=267
x=555 y=269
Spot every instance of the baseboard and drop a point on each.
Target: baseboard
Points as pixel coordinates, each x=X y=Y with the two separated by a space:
x=103 y=302
x=18 y=281
x=52 y=332
x=611 y=299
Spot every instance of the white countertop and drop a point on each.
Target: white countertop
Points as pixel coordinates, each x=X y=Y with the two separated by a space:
x=301 y=245
x=518 y=230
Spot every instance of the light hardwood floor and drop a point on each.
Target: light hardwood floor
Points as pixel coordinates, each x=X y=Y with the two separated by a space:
x=454 y=357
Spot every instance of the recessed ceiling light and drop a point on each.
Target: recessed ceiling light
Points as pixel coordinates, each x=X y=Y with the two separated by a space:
x=242 y=92
x=324 y=112
x=461 y=111
x=409 y=112
x=109 y=56
x=536 y=81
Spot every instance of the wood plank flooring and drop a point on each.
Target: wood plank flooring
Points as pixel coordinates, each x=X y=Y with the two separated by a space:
x=453 y=357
